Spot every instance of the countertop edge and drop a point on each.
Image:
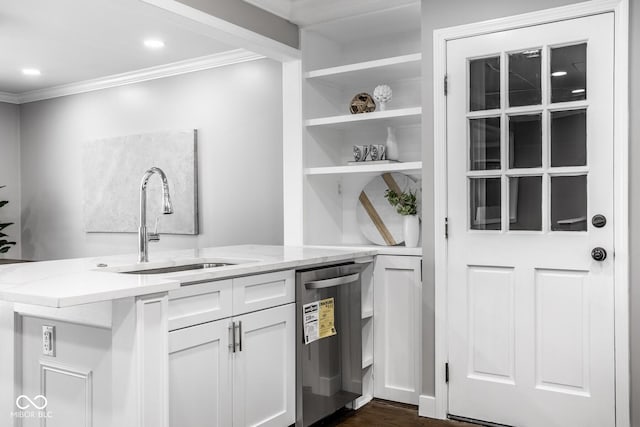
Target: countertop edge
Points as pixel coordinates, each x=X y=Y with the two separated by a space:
x=21 y=294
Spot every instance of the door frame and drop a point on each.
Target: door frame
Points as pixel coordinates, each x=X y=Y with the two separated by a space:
x=620 y=8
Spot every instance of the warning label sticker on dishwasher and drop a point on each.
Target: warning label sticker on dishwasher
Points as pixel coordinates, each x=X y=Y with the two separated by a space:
x=318 y=318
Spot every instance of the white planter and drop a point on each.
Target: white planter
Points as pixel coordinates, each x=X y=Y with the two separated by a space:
x=411 y=230
x=392 y=144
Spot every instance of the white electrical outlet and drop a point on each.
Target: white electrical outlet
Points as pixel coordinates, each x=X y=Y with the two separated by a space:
x=49 y=340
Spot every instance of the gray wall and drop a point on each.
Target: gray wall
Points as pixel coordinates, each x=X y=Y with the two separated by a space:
x=250 y=17
x=10 y=173
x=238 y=113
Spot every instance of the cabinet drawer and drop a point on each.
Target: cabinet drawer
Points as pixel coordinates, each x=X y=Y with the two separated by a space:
x=204 y=302
x=262 y=291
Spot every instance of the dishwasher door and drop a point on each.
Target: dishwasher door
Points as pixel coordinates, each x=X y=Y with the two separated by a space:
x=329 y=370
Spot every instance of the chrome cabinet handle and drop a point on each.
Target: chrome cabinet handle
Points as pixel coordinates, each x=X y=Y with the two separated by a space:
x=240 y=335
x=327 y=283
x=236 y=342
x=232 y=331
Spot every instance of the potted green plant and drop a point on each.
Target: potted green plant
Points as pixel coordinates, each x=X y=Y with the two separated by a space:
x=5 y=244
x=406 y=204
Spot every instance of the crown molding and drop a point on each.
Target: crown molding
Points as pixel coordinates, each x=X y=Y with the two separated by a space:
x=9 y=98
x=176 y=68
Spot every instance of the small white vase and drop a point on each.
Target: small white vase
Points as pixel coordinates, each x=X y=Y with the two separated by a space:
x=392 y=144
x=411 y=230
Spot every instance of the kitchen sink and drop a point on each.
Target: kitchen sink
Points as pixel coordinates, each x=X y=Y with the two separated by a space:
x=177 y=268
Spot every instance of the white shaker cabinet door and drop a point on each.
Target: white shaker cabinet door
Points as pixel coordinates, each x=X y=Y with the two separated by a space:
x=200 y=375
x=397 y=318
x=264 y=368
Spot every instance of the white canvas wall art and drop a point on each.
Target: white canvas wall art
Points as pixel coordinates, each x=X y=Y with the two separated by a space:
x=112 y=172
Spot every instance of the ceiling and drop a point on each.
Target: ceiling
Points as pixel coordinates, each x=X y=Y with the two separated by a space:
x=78 y=40
x=309 y=12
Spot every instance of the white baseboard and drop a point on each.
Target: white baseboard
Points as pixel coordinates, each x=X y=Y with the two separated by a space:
x=427 y=406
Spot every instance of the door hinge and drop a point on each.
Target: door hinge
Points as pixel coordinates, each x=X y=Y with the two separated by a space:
x=446 y=372
x=446 y=85
x=446 y=228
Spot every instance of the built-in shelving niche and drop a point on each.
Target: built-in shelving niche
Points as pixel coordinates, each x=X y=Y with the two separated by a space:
x=338 y=63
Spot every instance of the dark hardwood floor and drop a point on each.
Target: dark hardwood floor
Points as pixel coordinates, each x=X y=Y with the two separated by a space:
x=382 y=413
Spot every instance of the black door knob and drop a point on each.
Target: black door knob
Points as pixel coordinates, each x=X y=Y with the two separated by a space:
x=599 y=254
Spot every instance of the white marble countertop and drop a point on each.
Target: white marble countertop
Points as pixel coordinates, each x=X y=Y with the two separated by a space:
x=78 y=281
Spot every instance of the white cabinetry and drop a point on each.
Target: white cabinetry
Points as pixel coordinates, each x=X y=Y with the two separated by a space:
x=200 y=375
x=213 y=382
x=264 y=369
x=397 y=332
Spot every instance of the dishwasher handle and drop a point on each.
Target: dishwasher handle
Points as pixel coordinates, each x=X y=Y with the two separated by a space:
x=328 y=283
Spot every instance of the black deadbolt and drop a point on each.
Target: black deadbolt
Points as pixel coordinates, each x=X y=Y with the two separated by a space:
x=599 y=254
x=599 y=221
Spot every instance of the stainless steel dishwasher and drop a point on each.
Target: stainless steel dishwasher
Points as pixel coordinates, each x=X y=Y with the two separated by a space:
x=329 y=369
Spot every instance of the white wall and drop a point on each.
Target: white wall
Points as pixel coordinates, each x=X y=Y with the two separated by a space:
x=10 y=173
x=238 y=113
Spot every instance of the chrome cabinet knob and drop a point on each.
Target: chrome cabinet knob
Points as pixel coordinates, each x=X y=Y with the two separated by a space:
x=599 y=254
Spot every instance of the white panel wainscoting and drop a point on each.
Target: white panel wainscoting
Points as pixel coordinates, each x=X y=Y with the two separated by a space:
x=76 y=382
x=69 y=393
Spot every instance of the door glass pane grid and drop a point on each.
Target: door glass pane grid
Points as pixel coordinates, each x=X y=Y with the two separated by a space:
x=524 y=77
x=568 y=137
x=484 y=146
x=524 y=140
x=544 y=173
x=568 y=74
x=569 y=203
x=525 y=203
x=484 y=83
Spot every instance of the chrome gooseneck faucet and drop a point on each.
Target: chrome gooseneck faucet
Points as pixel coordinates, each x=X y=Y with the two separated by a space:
x=143 y=237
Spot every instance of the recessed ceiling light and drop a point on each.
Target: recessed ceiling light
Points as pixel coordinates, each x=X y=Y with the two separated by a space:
x=154 y=43
x=559 y=73
x=31 y=72
x=577 y=91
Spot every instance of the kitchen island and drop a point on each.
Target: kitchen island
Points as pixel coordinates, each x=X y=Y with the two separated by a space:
x=109 y=345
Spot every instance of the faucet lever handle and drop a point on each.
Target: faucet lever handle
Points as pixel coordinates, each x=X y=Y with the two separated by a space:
x=155 y=236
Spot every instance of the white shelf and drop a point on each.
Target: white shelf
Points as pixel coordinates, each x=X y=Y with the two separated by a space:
x=398 y=117
x=382 y=250
x=370 y=73
x=364 y=168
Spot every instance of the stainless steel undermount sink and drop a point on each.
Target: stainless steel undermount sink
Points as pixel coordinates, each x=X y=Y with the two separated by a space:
x=176 y=268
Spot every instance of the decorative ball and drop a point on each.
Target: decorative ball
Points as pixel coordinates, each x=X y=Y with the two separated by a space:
x=382 y=94
x=362 y=103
